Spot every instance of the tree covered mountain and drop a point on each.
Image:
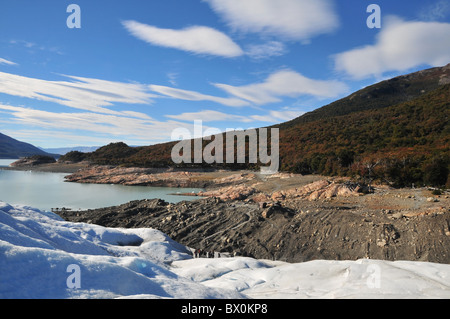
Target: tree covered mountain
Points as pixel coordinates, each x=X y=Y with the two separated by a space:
x=395 y=131
x=402 y=144
x=12 y=149
x=380 y=95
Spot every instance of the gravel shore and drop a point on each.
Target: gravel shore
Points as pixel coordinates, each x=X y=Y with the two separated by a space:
x=295 y=218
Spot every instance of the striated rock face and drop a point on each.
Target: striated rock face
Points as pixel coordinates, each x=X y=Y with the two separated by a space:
x=322 y=189
x=318 y=190
x=315 y=230
x=230 y=193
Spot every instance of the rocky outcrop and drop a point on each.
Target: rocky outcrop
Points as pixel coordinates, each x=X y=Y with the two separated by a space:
x=34 y=161
x=322 y=189
x=318 y=190
x=229 y=187
x=230 y=193
x=137 y=177
x=132 y=176
x=235 y=179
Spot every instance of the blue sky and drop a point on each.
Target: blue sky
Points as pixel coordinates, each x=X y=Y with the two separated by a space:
x=137 y=70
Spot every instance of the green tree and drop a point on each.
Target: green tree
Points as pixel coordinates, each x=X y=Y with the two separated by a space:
x=436 y=172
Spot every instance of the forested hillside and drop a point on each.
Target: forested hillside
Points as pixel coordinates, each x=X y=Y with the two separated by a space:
x=383 y=94
x=401 y=144
x=396 y=131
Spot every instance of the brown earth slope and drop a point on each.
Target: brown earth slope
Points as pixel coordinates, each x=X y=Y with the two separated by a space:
x=294 y=225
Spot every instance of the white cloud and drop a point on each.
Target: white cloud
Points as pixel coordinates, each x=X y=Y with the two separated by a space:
x=82 y=93
x=195 y=39
x=281 y=84
x=195 y=96
x=34 y=47
x=286 y=115
x=58 y=138
x=26 y=44
x=285 y=83
x=436 y=11
x=209 y=116
x=289 y=19
x=272 y=117
x=400 y=45
x=266 y=50
x=4 y=61
x=276 y=117
x=117 y=127
x=172 y=77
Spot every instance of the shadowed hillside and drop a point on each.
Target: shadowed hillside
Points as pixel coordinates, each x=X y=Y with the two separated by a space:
x=12 y=149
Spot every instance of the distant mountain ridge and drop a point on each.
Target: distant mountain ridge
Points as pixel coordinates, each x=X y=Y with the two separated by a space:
x=65 y=150
x=11 y=148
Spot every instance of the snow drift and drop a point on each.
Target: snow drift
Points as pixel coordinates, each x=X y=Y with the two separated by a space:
x=39 y=252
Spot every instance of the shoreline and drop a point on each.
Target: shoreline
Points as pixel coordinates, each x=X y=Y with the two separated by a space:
x=49 y=168
x=295 y=230
x=283 y=216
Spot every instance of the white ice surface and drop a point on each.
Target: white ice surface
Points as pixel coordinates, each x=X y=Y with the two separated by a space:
x=36 y=249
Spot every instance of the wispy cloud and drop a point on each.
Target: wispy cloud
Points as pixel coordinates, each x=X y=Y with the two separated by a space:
x=33 y=47
x=196 y=96
x=209 y=116
x=106 y=126
x=4 y=61
x=272 y=117
x=96 y=95
x=26 y=44
x=172 y=77
x=266 y=50
x=102 y=120
x=284 y=115
x=57 y=138
x=279 y=85
x=195 y=39
x=81 y=93
x=436 y=11
x=285 y=83
x=400 y=45
x=288 y=19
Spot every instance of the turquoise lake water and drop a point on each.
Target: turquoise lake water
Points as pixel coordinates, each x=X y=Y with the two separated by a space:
x=48 y=190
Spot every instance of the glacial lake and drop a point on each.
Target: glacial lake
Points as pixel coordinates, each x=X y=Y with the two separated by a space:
x=48 y=190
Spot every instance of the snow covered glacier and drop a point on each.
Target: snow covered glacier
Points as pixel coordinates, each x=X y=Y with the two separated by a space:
x=43 y=256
